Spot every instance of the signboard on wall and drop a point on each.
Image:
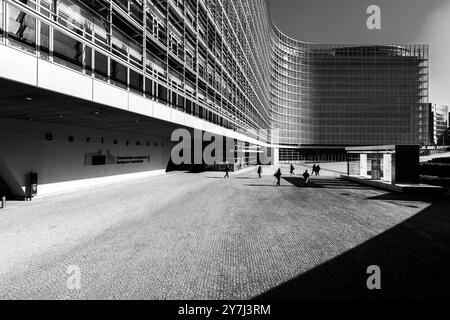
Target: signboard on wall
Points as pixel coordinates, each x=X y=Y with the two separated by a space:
x=132 y=159
x=101 y=159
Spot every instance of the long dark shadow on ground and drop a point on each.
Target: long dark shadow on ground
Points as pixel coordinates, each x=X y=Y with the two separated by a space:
x=269 y=185
x=414 y=258
x=324 y=182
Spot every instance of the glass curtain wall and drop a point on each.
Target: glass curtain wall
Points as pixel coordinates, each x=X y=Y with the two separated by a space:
x=340 y=95
x=207 y=58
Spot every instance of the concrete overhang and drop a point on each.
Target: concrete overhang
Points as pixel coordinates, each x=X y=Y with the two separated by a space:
x=30 y=103
x=378 y=149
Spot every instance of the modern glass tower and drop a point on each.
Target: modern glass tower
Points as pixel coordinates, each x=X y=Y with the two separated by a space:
x=341 y=95
x=220 y=66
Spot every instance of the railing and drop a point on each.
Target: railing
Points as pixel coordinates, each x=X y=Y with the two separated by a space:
x=430 y=151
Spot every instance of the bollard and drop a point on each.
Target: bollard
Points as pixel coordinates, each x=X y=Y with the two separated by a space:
x=3 y=202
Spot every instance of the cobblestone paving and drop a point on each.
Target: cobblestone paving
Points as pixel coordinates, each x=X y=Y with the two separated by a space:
x=191 y=236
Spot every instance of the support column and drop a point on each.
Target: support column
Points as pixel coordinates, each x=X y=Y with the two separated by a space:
x=275 y=156
x=387 y=167
x=363 y=165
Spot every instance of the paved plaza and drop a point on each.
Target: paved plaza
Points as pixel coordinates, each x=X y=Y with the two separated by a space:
x=199 y=236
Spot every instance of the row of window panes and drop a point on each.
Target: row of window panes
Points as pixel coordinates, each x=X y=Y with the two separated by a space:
x=85 y=23
x=70 y=52
x=74 y=54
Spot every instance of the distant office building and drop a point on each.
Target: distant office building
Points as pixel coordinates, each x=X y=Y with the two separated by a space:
x=439 y=124
x=93 y=89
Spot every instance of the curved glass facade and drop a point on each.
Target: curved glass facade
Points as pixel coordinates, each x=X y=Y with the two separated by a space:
x=337 y=95
x=225 y=62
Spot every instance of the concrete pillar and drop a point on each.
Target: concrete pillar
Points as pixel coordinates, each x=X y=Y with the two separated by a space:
x=363 y=165
x=387 y=167
x=276 y=156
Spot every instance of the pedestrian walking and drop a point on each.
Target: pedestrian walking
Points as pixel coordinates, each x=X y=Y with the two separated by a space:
x=278 y=176
x=306 y=176
x=259 y=171
x=227 y=171
x=314 y=169
x=292 y=169
x=317 y=170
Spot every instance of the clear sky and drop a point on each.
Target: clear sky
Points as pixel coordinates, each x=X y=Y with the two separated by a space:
x=402 y=21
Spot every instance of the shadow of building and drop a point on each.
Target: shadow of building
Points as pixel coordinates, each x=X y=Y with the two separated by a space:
x=414 y=258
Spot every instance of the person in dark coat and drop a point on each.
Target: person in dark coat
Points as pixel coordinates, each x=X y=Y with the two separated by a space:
x=306 y=176
x=318 y=170
x=314 y=169
x=278 y=176
x=259 y=171
x=292 y=170
x=227 y=170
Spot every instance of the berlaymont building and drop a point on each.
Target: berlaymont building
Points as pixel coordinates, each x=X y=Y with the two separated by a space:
x=92 y=90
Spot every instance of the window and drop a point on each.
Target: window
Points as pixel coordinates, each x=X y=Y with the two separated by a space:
x=189 y=106
x=135 y=52
x=201 y=69
x=156 y=26
x=70 y=15
x=44 y=45
x=190 y=59
x=174 y=43
x=119 y=74
x=136 y=82
x=190 y=17
x=1 y=19
x=67 y=50
x=21 y=29
x=136 y=10
x=162 y=93
x=149 y=92
x=180 y=102
x=120 y=44
x=88 y=60
x=101 y=66
x=173 y=100
x=46 y=7
x=100 y=32
x=122 y=4
x=149 y=20
x=126 y=47
x=196 y=110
